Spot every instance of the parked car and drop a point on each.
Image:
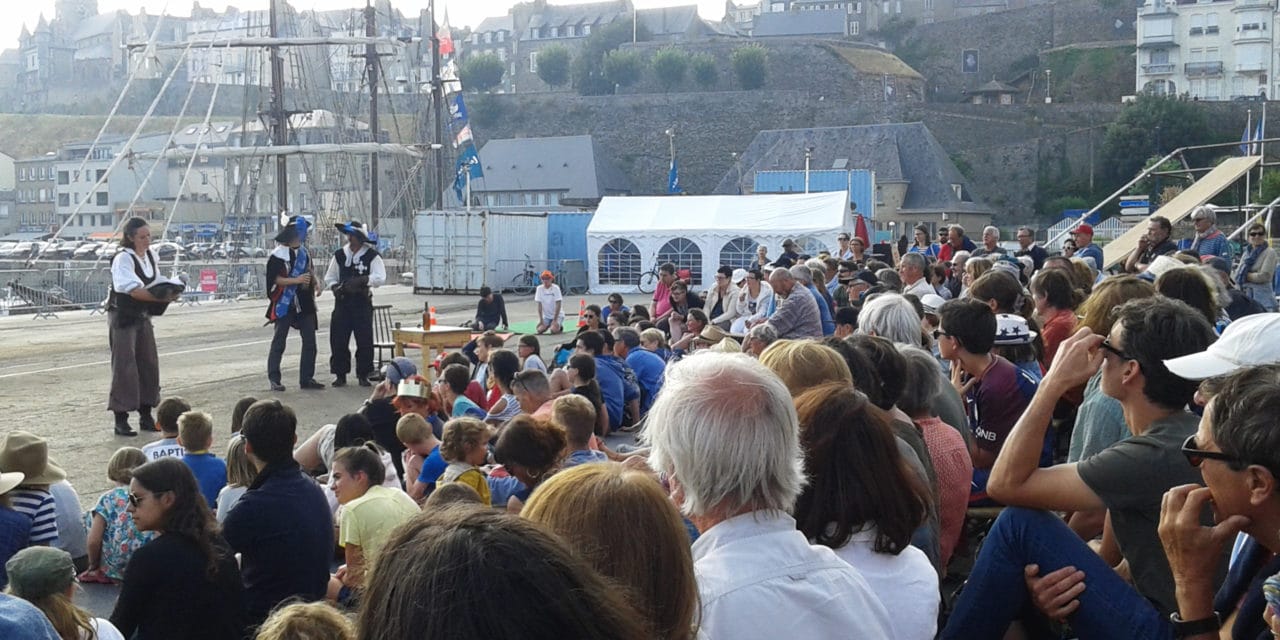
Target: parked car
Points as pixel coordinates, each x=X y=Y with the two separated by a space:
x=169 y=250
x=90 y=251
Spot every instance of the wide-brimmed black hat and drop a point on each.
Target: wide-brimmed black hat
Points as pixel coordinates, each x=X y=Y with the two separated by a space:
x=289 y=232
x=354 y=228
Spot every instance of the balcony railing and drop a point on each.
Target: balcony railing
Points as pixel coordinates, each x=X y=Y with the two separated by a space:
x=1159 y=67
x=1250 y=67
x=1204 y=68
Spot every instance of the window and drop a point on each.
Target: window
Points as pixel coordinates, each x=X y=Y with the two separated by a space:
x=570 y=31
x=739 y=253
x=586 y=29
x=100 y=199
x=1211 y=24
x=533 y=62
x=555 y=32
x=685 y=254
x=1159 y=56
x=75 y=198
x=811 y=245
x=64 y=200
x=101 y=174
x=853 y=28
x=64 y=177
x=619 y=262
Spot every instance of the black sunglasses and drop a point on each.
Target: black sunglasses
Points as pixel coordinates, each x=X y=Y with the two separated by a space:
x=938 y=333
x=1106 y=344
x=1257 y=233
x=135 y=499
x=1195 y=455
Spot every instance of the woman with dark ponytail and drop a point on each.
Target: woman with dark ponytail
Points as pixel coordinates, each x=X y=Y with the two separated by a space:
x=185 y=583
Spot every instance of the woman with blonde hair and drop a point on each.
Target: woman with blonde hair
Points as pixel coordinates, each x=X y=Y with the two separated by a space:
x=803 y=364
x=240 y=474
x=974 y=268
x=46 y=577
x=587 y=506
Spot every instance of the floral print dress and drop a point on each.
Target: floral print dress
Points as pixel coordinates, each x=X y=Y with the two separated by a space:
x=121 y=537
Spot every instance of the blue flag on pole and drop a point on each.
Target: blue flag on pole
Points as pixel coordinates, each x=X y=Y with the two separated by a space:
x=466 y=169
x=1246 y=138
x=673 y=179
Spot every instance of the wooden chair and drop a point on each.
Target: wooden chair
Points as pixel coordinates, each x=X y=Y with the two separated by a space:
x=382 y=340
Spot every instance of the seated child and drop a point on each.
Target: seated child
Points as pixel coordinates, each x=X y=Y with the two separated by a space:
x=167 y=422
x=464 y=449
x=578 y=417
x=421 y=455
x=112 y=535
x=241 y=473
x=195 y=434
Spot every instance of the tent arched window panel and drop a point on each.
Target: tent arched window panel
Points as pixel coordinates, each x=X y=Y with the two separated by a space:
x=812 y=246
x=685 y=254
x=619 y=261
x=739 y=253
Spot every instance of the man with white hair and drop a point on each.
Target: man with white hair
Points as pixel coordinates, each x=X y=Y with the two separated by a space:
x=758 y=339
x=891 y=316
x=911 y=268
x=804 y=275
x=797 y=315
x=1208 y=239
x=735 y=468
x=990 y=243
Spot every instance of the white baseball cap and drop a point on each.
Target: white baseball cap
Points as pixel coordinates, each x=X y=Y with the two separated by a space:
x=932 y=302
x=1247 y=342
x=738 y=276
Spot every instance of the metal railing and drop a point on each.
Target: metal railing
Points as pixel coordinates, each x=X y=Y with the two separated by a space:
x=521 y=276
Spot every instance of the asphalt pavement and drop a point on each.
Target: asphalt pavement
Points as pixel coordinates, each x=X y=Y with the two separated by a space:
x=55 y=375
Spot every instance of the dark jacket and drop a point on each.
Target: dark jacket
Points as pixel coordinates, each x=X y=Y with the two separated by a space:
x=283 y=530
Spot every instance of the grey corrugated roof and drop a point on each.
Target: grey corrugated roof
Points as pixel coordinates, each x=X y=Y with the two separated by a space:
x=574 y=164
x=895 y=152
x=800 y=23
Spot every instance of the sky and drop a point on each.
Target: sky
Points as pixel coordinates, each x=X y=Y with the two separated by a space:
x=15 y=13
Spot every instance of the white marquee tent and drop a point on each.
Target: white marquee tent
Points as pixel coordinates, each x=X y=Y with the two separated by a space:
x=631 y=235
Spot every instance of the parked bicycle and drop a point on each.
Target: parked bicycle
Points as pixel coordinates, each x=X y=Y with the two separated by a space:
x=527 y=280
x=648 y=281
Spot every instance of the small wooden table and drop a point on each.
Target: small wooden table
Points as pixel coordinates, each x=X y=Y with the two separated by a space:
x=430 y=339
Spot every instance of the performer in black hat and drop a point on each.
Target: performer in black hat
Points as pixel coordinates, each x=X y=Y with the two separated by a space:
x=354 y=270
x=292 y=294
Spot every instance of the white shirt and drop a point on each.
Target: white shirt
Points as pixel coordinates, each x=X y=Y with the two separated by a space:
x=103 y=630
x=72 y=536
x=124 y=278
x=919 y=288
x=163 y=448
x=377 y=270
x=759 y=577
x=547 y=297
x=906 y=584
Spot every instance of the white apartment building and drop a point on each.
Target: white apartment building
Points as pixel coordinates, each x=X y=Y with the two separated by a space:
x=1207 y=50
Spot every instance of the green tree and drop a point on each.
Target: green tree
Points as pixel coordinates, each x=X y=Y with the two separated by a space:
x=1132 y=138
x=587 y=70
x=553 y=65
x=749 y=66
x=482 y=72
x=670 y=66
x=623 y=68
x=1270 y=187
x=705 y=70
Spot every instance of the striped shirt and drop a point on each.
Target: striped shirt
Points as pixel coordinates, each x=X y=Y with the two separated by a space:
x=38 y=505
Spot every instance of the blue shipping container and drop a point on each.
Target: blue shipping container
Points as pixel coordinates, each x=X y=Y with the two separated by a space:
x=860 y=183
x=567 y=235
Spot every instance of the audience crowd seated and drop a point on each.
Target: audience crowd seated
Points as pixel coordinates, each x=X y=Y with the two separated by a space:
x=972 y=442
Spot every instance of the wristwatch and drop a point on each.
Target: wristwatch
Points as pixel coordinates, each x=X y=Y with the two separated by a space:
x=1188 y=628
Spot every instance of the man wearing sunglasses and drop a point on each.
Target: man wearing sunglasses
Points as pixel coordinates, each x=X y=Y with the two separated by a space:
x=1237 y=452
x=1030 y=555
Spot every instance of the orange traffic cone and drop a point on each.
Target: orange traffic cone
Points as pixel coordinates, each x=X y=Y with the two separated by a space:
x=433 y=317
x=582 y=308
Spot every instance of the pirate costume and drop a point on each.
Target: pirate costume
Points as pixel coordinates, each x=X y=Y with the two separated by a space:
x=352 y=273
x=291 y=305
x=135 y=364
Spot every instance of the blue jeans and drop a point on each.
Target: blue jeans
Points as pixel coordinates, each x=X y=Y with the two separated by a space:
x=996 y=592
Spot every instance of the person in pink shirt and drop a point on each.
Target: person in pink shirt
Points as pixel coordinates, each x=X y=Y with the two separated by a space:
x=662 y=294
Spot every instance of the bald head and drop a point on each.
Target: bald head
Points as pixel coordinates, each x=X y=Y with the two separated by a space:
x=782 y=281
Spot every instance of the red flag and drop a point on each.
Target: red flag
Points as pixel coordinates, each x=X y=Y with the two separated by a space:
x=860 y=230
x=445 y=35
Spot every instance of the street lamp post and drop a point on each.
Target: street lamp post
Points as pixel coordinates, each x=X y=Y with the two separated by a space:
x=808 y=157
x=1048 y=86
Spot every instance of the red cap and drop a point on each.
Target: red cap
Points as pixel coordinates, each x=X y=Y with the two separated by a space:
x=1084 y=228
x=548 y=275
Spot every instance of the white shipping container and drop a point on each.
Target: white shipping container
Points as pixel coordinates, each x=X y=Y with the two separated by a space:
x=461 y=251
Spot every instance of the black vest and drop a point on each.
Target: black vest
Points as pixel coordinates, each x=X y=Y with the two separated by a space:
x=124 y=303
x=359 y=267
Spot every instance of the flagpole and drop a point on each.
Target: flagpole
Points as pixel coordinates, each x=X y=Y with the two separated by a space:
x=1248 y=148
x=1262 y=148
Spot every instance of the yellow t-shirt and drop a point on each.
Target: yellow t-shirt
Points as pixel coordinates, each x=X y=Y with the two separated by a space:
x=368 y=520
x=471 y=476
